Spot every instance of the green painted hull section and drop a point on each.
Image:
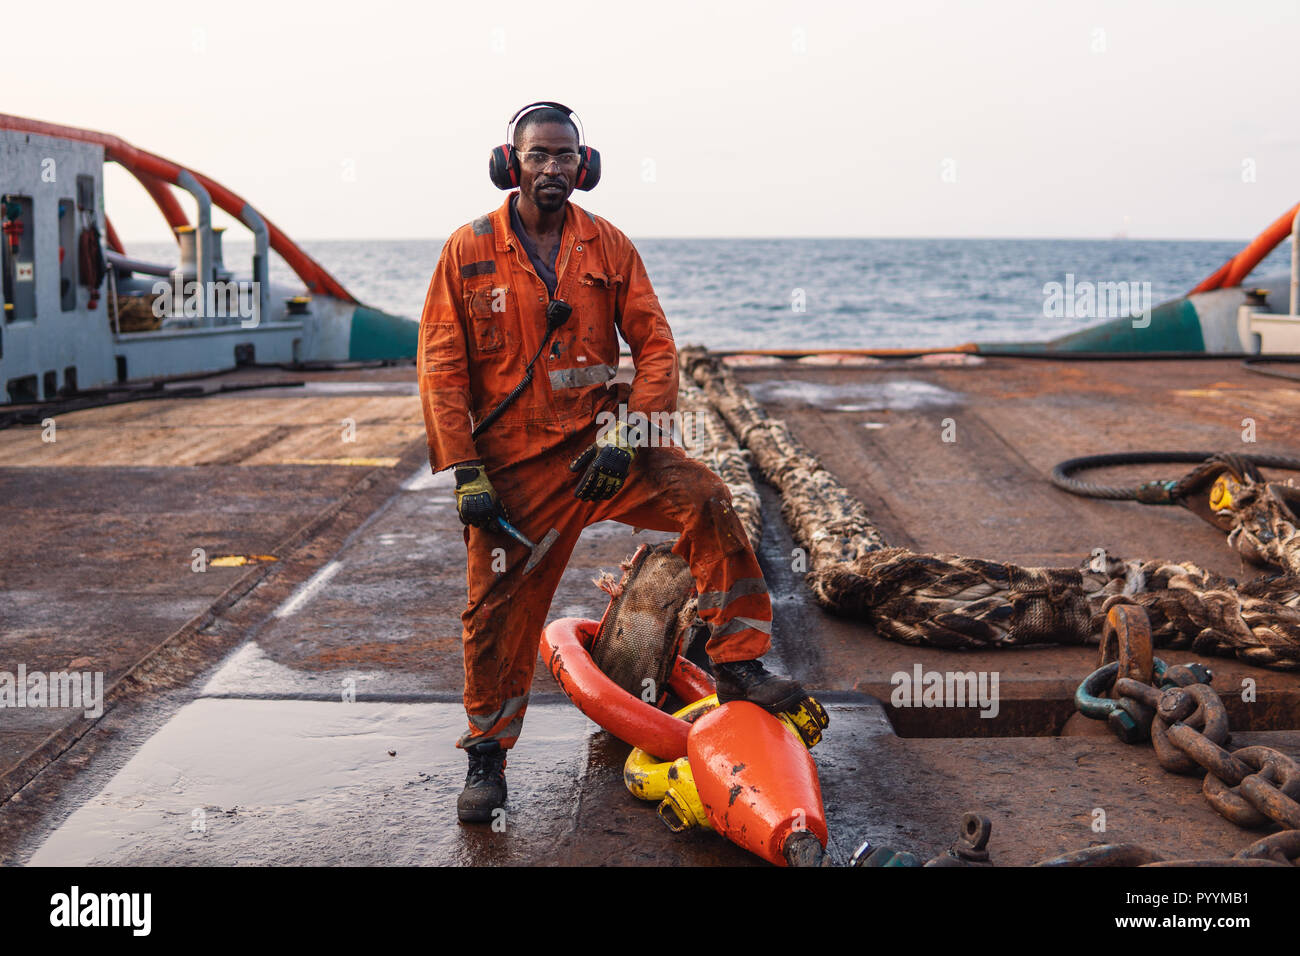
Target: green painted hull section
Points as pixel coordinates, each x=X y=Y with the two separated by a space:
x=378 y=335
x=1174 y=327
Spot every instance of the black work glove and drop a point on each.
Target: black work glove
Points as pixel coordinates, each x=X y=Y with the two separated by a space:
x=607 y=460
x=476 y=500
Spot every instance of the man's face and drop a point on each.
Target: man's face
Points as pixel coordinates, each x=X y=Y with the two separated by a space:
x=547 y=185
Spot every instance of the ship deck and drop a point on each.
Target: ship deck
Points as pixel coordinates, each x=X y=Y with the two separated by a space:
x=226 y=738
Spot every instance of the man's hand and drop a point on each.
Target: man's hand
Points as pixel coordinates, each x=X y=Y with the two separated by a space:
x=608 y=461
x=476 y=500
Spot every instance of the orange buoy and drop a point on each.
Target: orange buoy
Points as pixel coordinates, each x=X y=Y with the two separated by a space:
x=756 y=780
x=566 y=645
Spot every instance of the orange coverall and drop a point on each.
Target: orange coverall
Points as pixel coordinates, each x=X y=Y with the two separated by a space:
x=483 y=319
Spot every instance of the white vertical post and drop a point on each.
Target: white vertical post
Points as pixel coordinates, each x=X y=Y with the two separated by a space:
x=261 y=259
x=203 y=234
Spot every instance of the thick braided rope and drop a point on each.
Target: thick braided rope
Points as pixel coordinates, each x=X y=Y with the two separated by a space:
x=824 y=518
x=945 y=600
x=1265 y=526
x=707 y=438
x=954 y=601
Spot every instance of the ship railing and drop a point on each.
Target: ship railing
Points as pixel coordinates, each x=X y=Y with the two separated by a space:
x=154 y=173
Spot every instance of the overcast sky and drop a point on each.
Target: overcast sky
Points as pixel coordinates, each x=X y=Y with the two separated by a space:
x=907 y=118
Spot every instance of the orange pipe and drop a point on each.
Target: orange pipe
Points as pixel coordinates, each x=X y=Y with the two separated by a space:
x=565 y=644
x=690 y=683
x=312 y=273
x=757 y=781
x=1214 y=279
x=1238 y=267
x=163 y=198
x=138 y=162
x=110 y=234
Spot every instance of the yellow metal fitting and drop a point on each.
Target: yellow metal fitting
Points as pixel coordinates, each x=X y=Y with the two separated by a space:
x=681 y=807
x=645 y=776
x=807 y=722
x=1224 y=492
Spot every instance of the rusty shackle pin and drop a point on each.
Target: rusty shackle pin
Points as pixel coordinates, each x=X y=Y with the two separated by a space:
x=1126 y=637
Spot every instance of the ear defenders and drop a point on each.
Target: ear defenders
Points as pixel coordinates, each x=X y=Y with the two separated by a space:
x=503 y=167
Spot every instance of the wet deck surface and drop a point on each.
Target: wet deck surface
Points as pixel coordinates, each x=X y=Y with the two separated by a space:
x=881 y=430
x=234 y=744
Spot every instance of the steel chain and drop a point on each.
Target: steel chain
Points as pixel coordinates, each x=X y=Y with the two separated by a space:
x=1187 y=724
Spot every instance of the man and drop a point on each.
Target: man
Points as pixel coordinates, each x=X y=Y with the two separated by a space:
x=542 y=462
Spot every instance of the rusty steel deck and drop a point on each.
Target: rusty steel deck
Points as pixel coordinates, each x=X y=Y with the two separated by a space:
x=302 y=709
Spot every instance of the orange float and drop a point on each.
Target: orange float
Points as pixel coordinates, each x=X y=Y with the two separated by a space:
x=566 y=645
x=756 y=780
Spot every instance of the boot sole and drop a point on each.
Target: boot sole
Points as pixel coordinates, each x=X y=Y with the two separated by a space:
x=787 y=703
x=477 y=814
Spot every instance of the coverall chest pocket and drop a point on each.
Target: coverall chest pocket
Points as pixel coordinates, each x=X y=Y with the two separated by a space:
x=602 y=283
x=487 y=307
x=599 y=303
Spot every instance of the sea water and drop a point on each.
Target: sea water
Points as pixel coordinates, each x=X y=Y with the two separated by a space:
x=826 y=293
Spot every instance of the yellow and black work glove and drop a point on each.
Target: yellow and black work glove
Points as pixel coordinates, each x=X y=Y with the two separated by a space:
x=608 y=461
x=476 y=500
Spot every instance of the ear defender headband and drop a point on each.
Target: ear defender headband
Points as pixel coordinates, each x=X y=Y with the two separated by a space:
x=503 y=167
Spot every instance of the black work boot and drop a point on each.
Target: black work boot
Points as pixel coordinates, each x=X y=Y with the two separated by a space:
x=485 y=785
x=751 y=681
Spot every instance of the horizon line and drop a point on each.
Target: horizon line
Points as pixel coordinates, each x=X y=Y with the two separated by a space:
x=787 y=238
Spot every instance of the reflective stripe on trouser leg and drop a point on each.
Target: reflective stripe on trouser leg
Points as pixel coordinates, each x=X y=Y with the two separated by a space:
x=503 y=726
x=733 y=597
x=741 y=588
x=738 y=624
x=740 y=629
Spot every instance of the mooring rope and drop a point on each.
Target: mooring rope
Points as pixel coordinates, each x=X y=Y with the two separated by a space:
x=947 y=600
x=707 y=438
